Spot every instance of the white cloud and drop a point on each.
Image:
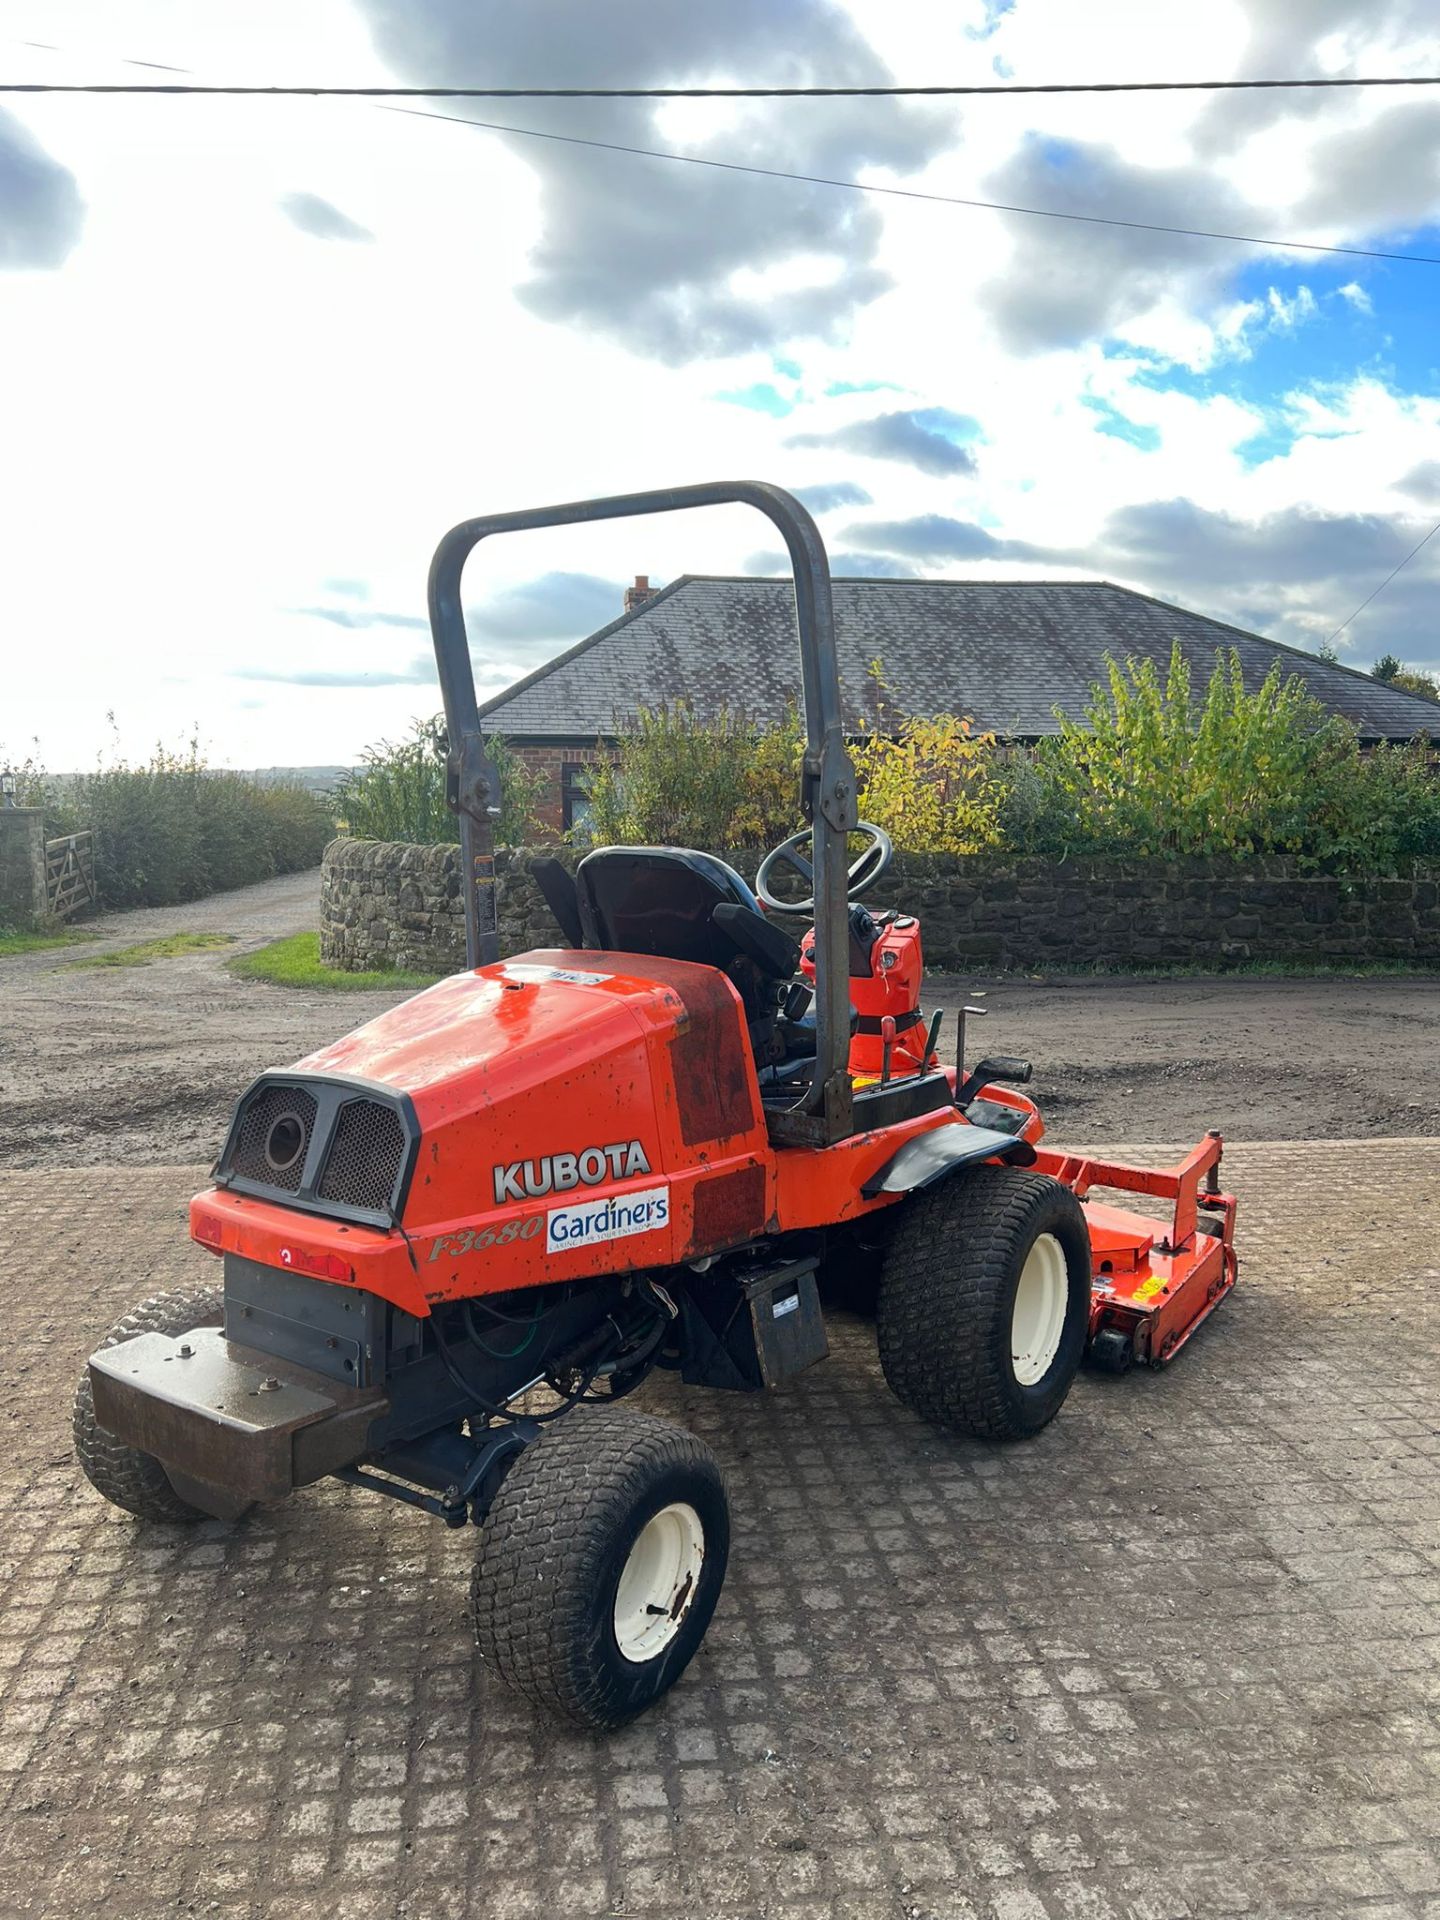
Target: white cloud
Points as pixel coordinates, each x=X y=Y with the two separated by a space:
x=1285 y=315
x=221 y=420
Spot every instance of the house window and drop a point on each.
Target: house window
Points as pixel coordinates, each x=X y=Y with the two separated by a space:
x=574 y=800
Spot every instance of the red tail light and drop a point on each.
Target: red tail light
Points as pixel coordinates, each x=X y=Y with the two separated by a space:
x=207 y=1229
x=324 y=1266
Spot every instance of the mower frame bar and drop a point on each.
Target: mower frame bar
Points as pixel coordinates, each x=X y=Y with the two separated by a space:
x=827 y=781
x=1181 y=1183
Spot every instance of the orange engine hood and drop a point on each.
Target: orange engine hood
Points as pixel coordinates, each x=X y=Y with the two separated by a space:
x=521 y=1071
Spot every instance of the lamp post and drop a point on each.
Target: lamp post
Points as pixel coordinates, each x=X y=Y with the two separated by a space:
x=7 y=788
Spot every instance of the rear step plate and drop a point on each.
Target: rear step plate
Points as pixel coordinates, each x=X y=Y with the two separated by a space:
x=231 y=1423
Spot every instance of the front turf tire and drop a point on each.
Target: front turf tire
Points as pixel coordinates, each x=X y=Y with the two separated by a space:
x=954 y=1346
x=125 y=1476
x=604 y=1504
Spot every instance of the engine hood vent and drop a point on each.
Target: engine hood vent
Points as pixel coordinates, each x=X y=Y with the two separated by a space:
x=336 y=1145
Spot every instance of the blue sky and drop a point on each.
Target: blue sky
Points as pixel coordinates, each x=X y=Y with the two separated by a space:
x=273 y=349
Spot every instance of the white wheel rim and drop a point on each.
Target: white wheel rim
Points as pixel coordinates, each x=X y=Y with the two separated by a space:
x=658 y=1582
x=1038 y=1318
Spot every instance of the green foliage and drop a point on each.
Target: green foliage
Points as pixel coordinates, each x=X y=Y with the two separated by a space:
x=931 y=785
x=169 y=947
x=678 y=780
x=12 y=943
x=35 y=787
x=398 y=792
x=1371 y=811
x=295 y=962
x=1152 y=772
x=1395 y=673
x=172 y=829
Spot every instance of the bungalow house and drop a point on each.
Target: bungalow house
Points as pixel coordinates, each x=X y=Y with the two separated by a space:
x=1007 y=653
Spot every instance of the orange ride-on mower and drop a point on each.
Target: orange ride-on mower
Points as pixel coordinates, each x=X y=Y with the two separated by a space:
x=454 y=1241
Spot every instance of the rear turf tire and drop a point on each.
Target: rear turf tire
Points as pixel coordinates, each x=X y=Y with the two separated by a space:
x=126 y=1477
x=611 y=1521
x=955 y=1346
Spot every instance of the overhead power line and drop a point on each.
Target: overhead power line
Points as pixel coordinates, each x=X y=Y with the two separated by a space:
x=724 y=93
x=916 y=193
x=1420 y=545
x=383 y=94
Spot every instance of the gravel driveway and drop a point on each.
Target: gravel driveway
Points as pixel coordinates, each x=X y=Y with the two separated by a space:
x=141 y=1066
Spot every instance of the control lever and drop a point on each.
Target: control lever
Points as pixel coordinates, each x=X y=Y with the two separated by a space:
x=932 y=1037
x=998 y=1066
x=965 y=1012
x=887 y=1042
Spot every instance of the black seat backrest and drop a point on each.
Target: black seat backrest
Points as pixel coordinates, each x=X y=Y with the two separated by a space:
x=659 y=900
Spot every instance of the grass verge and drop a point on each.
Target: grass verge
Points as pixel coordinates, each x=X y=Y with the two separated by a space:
x=296 y=962
x=12 y=943
x=170 y=948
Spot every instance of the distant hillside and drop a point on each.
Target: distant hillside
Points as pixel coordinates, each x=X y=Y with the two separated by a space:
x=317 y=779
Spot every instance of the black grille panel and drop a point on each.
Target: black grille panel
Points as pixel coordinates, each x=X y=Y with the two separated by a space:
x=367 y=1152
x=338 y=1146
x=274 y=1137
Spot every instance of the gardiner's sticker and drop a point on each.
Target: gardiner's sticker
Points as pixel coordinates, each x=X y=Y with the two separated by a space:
x=782 y=1307
x=589 y=1222
x=1148 y=1289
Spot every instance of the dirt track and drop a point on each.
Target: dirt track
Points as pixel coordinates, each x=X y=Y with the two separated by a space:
x=139 y=1067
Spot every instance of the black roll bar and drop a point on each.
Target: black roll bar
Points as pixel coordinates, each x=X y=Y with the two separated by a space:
x=827 y=781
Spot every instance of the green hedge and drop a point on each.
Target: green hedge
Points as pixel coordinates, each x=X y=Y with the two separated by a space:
x=398 y=791
x=174 y=830
x=1153 y=771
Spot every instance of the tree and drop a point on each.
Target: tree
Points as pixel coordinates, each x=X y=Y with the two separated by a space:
x=677 y=779
x=1406 y=679
x=398 y=791
x=931 y=784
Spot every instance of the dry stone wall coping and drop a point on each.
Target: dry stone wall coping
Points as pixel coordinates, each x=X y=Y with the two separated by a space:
x=385 y=904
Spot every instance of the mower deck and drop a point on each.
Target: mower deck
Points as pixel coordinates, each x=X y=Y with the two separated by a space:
x=1152 y=1285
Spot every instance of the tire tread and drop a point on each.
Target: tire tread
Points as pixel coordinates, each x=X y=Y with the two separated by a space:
x=944 y=1290
x=124 y=1475
x=541 y=1552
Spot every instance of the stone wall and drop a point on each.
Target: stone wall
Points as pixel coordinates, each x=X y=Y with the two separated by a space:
x=387 y=905
x=384 y=905
x=22 y=866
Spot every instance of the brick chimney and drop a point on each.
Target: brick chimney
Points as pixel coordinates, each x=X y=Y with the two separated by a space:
x=642 y=591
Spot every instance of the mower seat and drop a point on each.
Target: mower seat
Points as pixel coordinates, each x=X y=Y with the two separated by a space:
x=662 y=900
x=688 y=905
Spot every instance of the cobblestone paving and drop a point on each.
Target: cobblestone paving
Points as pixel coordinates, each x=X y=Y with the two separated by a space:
x=1178 y=1656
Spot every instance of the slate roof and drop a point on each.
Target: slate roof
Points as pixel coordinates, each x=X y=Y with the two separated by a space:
x=1004 y=652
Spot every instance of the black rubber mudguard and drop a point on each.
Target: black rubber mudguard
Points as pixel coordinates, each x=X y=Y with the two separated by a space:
x=942 y=1150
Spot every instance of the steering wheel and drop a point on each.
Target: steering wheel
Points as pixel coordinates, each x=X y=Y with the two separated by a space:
x=863 y=872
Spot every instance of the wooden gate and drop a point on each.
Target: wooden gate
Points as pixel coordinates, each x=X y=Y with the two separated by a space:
x=69 y=873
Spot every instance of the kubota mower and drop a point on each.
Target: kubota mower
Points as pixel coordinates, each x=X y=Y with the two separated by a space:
x=454 y=1241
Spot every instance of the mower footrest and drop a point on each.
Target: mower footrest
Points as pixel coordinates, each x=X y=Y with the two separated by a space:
x=227 y=1417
